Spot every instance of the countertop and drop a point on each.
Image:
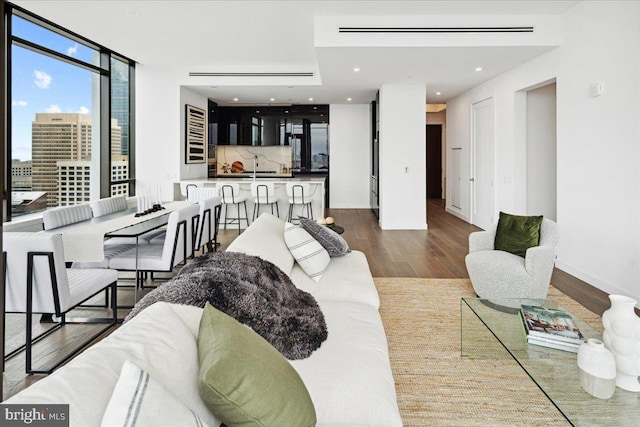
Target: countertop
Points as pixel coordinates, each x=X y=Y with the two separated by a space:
x=247 y=179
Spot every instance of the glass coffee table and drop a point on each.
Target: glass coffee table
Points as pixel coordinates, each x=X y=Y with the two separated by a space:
x=492 y=329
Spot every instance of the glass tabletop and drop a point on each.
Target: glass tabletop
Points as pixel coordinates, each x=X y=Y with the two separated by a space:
x=493 y=329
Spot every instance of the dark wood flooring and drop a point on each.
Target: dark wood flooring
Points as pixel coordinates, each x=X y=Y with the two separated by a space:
x=434 y=253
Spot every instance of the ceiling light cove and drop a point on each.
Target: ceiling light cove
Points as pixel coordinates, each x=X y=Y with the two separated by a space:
x=238 y=74
x=436 y=29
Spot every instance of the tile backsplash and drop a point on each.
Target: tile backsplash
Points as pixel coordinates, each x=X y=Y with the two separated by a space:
x=270 y=159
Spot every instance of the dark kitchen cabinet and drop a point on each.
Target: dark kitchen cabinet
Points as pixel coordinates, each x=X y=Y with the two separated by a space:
x=303 y=127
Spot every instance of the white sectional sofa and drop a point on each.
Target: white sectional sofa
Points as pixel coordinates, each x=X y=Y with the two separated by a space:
x=348 y=378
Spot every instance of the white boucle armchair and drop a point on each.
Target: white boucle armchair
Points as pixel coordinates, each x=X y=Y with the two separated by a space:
x=497 y=274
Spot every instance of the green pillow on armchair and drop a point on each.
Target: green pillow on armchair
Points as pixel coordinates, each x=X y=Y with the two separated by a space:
x=516 y=234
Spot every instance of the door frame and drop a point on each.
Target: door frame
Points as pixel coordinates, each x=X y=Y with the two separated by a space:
x=475 y=219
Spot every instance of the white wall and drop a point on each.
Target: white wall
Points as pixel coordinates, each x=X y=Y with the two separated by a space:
x=350 y=156
x=598 y=142
x=402 y=157
x=198 y=170
x=158 y=124
x=541 y=152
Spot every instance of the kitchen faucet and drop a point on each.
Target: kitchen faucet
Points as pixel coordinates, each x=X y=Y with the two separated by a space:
x=255 y=166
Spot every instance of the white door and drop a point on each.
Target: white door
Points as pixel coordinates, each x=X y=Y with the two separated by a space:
x=483 y=164
x=456 y=177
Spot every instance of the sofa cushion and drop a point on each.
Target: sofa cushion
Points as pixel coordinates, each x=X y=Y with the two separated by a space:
x=329 y=239
x=349 y=378
x=265 y=238
x=515 y=234
x=346 y=279
x=246 y=381
x=140 y=400
x=157 y=340
x=309 y=254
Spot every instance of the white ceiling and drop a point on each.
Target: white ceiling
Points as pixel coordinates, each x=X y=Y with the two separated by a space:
x=279 y=36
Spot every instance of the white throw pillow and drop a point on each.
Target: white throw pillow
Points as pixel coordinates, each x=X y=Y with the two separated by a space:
x=310 y=254
x=139 y=400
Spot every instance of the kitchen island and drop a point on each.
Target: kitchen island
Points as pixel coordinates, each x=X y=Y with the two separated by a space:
x=316 y=193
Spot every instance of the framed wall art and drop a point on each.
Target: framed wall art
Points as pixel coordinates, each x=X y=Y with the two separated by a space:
x=196 y=135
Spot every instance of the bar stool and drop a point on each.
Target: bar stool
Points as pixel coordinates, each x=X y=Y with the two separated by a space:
x=299 y=195
x=264 y=194
x=230 y=195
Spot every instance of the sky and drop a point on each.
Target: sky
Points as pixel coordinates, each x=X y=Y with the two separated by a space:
x=41 y=84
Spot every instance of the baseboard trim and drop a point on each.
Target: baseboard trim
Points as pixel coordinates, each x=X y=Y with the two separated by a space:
x=594 y=281
x=457 y=214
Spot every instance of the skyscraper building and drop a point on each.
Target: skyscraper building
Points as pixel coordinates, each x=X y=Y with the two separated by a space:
x=54 y=137
x=61 y=156
x=120 y=101
x=21 y=175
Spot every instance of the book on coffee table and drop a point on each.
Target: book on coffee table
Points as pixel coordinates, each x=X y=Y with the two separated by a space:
x=550 y=328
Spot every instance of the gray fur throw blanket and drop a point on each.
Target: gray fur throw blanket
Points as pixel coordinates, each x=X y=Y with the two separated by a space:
x=253 y=291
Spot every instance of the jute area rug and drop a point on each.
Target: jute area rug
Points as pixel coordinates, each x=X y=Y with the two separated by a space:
x=435 y=386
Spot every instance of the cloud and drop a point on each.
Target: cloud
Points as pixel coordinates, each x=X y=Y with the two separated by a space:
x=18 y=103
x=42 y=79
x=53 y=108
x=83 y=110
x=72 y=50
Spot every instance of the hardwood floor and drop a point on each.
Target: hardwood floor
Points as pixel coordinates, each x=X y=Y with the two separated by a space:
x=434 y=253
x=437 y=252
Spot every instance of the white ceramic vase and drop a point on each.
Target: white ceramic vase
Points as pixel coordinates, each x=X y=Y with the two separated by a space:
x=597 y=369
x=622 y=337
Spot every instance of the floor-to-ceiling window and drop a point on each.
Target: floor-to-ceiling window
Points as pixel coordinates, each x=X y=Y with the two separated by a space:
x=69 y=120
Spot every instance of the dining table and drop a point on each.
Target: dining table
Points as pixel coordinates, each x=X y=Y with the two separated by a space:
x=84 y=241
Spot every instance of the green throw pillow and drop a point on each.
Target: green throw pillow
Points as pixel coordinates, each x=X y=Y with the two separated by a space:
x=244 y=380
x=516 y=234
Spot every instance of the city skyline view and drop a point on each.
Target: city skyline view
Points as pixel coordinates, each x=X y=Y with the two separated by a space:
x=41 y=84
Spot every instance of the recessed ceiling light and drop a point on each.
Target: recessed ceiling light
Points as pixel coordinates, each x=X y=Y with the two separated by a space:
x=478 y=68
x=310 y=99
x=272 y=99
x=356 y=69
x=438 y=93
x=286 y=111
x=235 y=99
x=349 y=99
x=257 y=111
x=315 y=108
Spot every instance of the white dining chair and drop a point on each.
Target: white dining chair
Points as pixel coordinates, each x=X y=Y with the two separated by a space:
x=37 y=281
x=65 y=215
x=196 y=194
x=264 y=194
x=108 y=205
x=207 y=232
x=299 y=194
x=162 y=253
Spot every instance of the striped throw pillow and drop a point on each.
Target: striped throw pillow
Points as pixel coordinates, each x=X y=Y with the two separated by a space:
x=310 y=254
x=139 y=400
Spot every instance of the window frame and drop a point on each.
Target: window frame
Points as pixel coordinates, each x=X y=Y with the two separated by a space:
x=103 y=70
